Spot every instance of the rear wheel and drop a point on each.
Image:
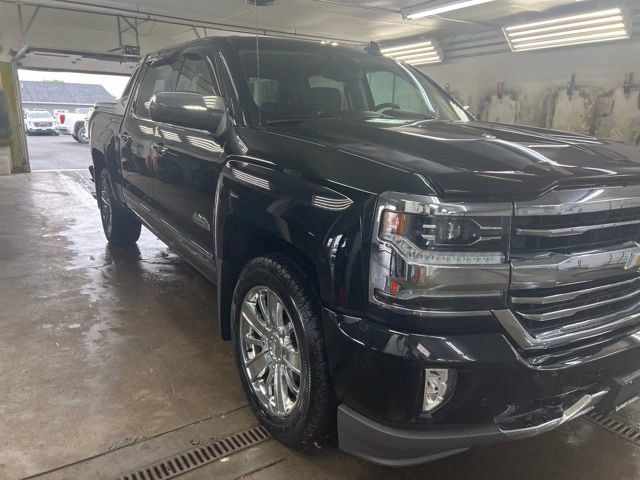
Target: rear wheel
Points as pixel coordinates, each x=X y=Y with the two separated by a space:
x=120 y=226
x=81 y=134
x=280 y=351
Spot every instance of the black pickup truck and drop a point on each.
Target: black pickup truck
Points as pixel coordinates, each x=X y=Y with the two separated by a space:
x=387 y=267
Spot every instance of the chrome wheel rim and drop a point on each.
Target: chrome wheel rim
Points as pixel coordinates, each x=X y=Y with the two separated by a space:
x=105 y=211
x=83 y=133
x=270 y=351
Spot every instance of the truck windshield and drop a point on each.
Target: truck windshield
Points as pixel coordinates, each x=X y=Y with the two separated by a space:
x=323 y=81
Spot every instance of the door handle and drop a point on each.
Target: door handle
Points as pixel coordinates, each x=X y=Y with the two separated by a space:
x=161 y=148
x=125 y=137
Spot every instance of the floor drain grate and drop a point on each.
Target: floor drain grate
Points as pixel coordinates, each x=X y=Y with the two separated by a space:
x=616 y=426
x=197 y=457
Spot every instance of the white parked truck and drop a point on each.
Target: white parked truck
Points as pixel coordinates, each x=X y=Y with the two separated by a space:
x=74 y=123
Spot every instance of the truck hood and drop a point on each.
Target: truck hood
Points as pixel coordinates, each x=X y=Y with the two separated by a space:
x=480 y=159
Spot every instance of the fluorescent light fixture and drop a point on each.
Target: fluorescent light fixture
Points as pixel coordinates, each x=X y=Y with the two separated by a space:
x=593 y=27
x=416 y=53
x=449 y=7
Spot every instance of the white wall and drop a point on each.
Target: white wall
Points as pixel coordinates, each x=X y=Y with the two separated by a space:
x=535 y=87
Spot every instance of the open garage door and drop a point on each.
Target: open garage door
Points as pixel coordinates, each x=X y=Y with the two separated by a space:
x=35 y=58
x=57 y=97
x=68 y=107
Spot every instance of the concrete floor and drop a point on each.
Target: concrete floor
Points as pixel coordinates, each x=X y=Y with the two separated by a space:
x=110 y=361
x=57 y=153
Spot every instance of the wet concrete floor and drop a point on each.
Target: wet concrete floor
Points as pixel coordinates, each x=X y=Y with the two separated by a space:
x=110 y=361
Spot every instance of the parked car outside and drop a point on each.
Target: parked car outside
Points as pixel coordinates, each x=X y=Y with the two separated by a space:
x=73 y=123
x=41 y=122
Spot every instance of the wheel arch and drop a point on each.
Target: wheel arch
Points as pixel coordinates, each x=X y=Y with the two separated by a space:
x=243 y=241
x=260 y=210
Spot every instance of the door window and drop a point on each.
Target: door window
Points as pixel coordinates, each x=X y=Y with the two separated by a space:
x=195 y=76
x=157 y=78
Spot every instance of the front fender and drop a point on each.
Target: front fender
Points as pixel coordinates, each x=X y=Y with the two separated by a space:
x=322 y=221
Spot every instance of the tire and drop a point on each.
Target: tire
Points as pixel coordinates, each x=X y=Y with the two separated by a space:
x=120 y=227
x=312 y=415
x=81 y=134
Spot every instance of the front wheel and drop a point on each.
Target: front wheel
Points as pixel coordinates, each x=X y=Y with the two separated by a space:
x=280 y=351
x=120 y=227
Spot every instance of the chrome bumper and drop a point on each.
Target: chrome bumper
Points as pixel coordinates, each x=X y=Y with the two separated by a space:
x=584 y=405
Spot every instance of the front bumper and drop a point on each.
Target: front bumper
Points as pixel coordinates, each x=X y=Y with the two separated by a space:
x=500 y=395
x=41 y=129
x=390 y=446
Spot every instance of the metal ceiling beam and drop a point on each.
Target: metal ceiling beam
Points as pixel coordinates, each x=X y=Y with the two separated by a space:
x=88 y=7
x=24 y=31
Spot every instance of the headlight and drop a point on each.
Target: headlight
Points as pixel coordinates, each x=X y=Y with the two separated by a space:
x=441 y=259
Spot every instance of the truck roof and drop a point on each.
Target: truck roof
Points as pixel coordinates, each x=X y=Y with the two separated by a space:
x=249 y=42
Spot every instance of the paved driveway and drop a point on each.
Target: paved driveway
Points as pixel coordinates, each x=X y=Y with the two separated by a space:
x=57 y=153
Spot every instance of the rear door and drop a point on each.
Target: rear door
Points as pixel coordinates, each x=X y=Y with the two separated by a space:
x=189 y=162
x=139 y=134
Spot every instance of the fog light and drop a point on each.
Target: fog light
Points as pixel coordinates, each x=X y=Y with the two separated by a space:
x=438 y=386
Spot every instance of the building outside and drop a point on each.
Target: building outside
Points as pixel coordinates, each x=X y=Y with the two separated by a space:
x=56 y=96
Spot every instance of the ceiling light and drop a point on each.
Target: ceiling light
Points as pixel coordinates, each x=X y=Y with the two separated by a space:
x=449 y=7
x=593 y=27
x=417 y=53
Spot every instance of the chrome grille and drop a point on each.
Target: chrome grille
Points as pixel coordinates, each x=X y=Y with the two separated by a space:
x=575 y=232
x=544 y=310
x=575 y=276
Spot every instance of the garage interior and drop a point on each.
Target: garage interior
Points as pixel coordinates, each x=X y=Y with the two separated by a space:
x=110 y=362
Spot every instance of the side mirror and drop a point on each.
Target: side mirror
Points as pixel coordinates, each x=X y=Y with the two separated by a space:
x=189 y=110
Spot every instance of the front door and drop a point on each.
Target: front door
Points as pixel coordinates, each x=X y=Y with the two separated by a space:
x=139 y=134
x=189 y=160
